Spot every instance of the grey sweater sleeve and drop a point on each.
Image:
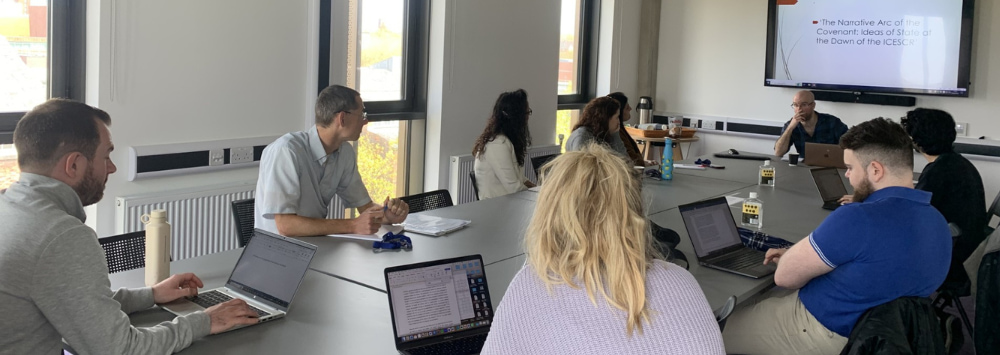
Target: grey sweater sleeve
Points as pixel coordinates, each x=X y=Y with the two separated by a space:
x=580 y=137
x=72 y=290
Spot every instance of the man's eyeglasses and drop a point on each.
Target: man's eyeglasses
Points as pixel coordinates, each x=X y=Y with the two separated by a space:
x=364 y=114
x=805 y=104
x=529 y=112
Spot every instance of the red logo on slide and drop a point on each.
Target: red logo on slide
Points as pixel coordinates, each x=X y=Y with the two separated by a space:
x=815 y=22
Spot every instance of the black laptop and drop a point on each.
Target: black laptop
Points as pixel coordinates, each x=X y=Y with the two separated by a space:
x=440 y=307
x=717 y=242
x=831 y=187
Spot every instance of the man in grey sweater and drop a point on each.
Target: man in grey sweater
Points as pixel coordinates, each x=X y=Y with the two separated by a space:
x=53 y=273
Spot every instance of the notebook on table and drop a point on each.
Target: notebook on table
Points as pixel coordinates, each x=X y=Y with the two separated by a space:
x=266 y=276
x=440 y=307
x=717 y=242
x=824 y=155
x=831 y=187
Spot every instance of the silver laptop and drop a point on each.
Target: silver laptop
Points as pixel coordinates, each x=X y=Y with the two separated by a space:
x=266 y=276
x=831 y=187
x=440 y=307
x=824 y=155
x=717 y=242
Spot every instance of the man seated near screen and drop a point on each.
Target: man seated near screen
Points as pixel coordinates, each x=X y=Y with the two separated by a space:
x=808 y=126
x=302 y=171
x=890 y=244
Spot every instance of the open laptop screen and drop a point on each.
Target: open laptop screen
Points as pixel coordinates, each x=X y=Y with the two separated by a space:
x=271 y=268
x=439 y=299
x=828 y=181
x=710 y=225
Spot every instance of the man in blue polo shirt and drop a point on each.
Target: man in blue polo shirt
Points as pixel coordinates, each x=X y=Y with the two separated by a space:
x=892 y=244
x=808 y=126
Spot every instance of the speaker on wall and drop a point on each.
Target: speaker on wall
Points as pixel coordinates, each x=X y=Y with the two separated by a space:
x=865 y=98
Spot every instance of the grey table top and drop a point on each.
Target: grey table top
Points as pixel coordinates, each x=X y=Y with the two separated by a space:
x=328 y=315
x=498 y=225
x=741 y=170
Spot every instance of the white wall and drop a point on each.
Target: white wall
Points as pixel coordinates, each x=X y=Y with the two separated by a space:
x=478 y=49
x=185 y=71
x=711 y=62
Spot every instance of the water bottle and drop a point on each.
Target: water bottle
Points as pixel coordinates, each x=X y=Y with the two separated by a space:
x=766 y=176
x=753 y=212
x=667 y=162
x=157 y=246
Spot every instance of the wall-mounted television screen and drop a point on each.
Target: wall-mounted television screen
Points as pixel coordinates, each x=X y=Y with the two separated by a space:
x=885 y=46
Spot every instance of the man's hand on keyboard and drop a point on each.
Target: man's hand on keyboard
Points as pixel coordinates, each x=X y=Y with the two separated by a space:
x=230 y=314
x=176 y=286
x=773 y=255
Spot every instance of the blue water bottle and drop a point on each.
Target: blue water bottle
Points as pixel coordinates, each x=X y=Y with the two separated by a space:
x=667 y=163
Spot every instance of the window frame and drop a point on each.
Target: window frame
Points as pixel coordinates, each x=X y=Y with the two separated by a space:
x=586 y=72
x=413 y=106
x=67 y=50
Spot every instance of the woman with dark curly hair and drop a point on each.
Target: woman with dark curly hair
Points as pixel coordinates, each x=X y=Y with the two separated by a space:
x=599 y=123
x=955 y=183
x=501 y=149
x=624 y=114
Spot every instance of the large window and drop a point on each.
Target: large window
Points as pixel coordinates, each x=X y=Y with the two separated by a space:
x=41 y=56
x=577 y=61
x=386 y=63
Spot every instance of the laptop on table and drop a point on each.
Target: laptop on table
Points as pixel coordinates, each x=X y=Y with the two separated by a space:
x=717 y=242
x=831 y=187
x=266 y=276
x=440 y=307
x=824 y=155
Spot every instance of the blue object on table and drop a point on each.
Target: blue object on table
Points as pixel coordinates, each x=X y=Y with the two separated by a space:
x=759 y=241
x=393 y=241
x=667 y=162
x=704 y=162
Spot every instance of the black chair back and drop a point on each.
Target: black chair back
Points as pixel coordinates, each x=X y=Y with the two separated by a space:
x=125 y=252
x=475 y=186
x=243 y=216
x=428 y=200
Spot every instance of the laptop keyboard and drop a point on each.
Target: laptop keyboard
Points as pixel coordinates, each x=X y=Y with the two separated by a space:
x=467 y=345
x=743 y=259
x=214 y=297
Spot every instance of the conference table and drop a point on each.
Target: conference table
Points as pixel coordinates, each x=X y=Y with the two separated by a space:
x=342 y=307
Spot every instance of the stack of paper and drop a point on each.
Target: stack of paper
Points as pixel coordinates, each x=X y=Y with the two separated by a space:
x=431 y=225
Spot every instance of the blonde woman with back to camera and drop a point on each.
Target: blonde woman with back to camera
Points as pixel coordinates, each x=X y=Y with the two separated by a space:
x=592 y=283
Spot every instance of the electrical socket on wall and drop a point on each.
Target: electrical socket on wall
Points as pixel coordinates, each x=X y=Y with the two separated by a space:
x=706 y=124
x=216 y=157
x=962 y=128
x=240 y=155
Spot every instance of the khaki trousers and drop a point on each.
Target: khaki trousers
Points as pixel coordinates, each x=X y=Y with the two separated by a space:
x=779 y=324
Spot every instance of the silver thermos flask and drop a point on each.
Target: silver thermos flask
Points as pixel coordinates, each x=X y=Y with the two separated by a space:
x=645 y=108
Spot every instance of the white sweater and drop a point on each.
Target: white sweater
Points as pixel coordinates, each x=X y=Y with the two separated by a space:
x=530 y=320
x=497 y=172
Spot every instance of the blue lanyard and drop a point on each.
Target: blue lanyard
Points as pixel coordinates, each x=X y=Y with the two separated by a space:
x=393 y=241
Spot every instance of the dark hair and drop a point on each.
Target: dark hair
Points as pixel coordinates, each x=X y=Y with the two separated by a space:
x=333 y=100
x=510 y=118
x=55 y=128
x=880 y=140
x=932 y=131
x=596 y=115
x=622 y=104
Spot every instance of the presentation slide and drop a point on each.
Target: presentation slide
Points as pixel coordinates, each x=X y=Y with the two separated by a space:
x=886 y=43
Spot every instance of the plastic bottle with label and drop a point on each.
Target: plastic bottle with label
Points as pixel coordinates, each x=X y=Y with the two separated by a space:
x=766 y=176
x=667 y=161
x=157 y=246
x=753 y=212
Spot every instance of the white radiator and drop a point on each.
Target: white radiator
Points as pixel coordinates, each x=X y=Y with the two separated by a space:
x=201 y=220
x=460 y=185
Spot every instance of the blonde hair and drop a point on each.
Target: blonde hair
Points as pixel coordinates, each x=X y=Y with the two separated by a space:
x=589 y=228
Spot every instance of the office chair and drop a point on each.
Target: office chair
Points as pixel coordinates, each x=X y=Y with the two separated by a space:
x=428 y=200
x=475 y=186
x=538 y=162
x=722 y=314
x=950 y=292
x=244 y=218
x=125 y=252
x=994 y=210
